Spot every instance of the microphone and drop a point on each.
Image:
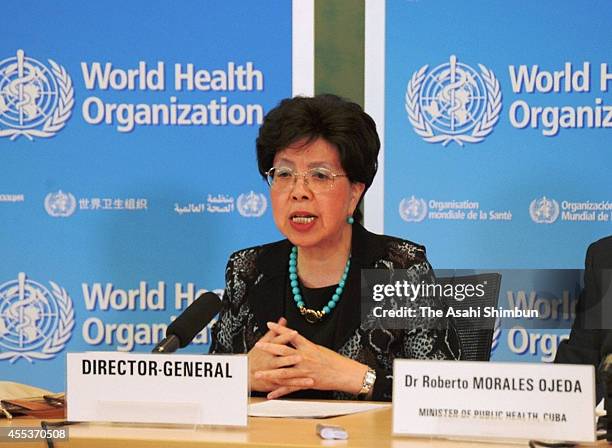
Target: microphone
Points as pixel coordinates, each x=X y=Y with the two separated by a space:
x=191 y=321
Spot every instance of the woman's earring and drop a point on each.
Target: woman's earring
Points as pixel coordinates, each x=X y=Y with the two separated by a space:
x=350 y=219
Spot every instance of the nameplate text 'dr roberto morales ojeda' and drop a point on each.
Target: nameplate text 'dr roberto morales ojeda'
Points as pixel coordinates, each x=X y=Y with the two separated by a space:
x=494 y=400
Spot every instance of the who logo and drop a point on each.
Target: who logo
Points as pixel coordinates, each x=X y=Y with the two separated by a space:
x=60 y=204
x=413 y=209
x=252 y=205
x=453 y=103
x=35 y=323
x=35 y=100
x=544 y=210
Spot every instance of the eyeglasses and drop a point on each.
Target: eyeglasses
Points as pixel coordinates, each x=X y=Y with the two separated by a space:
x=318 y=179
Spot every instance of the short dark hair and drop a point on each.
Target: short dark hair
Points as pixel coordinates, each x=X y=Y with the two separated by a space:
x=339 y=121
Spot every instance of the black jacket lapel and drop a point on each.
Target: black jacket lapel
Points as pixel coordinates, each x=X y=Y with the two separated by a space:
x=267 y=296
x=365 y=250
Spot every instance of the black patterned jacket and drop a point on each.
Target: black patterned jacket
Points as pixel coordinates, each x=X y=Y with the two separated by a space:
x=256 y=287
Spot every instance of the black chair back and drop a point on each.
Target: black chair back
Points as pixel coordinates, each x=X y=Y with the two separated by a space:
x=476 y=334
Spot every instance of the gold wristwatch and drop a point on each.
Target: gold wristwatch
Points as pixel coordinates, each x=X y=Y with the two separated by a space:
x=368 y=383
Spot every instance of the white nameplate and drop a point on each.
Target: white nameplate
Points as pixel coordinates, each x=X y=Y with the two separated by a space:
x=157 y=388
x=500 y=400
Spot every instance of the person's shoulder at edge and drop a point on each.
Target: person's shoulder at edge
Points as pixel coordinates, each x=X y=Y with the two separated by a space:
x=604 y=245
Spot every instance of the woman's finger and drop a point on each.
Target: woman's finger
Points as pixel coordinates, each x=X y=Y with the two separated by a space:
x=286 y=361
x=303 y=383
x=276 y=349
x=284 y=390
x=281 y=374
x=297 y=339
x=269 y=336
x=284 y=338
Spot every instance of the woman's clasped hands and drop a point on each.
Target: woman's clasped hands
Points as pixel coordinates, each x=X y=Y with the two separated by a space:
x=283 y=361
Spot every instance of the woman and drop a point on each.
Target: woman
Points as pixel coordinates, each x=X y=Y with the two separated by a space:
x=294 y=305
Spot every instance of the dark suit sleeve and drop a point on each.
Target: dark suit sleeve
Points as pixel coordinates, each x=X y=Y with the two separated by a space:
x=584 y=345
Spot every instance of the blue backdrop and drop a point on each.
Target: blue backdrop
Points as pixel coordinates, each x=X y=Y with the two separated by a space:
x=127 y=144
x=498 y=134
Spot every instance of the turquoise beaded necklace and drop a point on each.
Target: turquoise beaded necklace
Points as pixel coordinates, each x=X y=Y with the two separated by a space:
x=309 y=314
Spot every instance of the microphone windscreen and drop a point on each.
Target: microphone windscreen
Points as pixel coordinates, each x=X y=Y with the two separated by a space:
x=195 y=318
